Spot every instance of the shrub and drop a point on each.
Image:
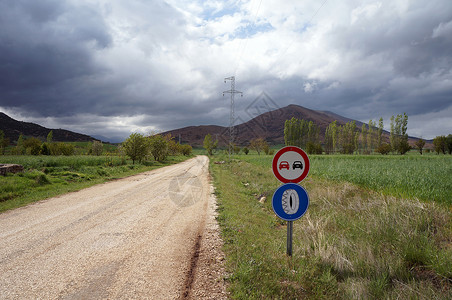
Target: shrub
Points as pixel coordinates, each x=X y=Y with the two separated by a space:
x=186 y=150
x=45 y=150
x=61 y=149
x=97 y=148
x=384 y=149
x=314 y=148
x=236 y=149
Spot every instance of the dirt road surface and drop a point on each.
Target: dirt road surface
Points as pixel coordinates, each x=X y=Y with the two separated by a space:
x=149 y=236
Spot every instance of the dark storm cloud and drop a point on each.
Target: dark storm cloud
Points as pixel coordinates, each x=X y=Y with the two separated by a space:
x=44 y=46
x=120 y=66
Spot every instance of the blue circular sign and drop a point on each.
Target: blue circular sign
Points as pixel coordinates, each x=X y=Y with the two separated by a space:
x=290 y=201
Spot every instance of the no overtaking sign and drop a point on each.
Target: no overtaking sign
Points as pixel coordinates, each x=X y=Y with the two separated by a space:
x=291 y=165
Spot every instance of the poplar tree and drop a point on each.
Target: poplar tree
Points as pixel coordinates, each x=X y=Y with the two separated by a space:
x=364 y=137
x=371 y=136
x=347 y=137
x=50 y=137
x=331 y=137
x=399 y=137
x=379 y=132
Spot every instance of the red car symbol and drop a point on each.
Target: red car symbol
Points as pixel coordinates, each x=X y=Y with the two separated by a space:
x=284 y=165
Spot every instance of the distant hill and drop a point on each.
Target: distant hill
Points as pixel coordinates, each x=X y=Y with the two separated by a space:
x=269 y=125
x=13 y=128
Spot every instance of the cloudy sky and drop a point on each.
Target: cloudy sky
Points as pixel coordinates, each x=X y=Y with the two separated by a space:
x=111 y=67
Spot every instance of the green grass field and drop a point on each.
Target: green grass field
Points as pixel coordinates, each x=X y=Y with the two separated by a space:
x=413 y=176
x=48 y=176
x=354 y=242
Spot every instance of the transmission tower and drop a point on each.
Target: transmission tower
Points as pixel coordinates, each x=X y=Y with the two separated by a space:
x=232 y=91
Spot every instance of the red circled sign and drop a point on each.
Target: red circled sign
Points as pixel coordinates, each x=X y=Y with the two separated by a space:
x=290 y=165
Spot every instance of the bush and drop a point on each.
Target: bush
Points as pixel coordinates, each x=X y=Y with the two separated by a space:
x=186 y=150
x=61 y=149
x=97 y=148
x=32 y=146
x=314 y=148
x=245 y=150
x=236 y=149
x=45 y=150
x=384 y=149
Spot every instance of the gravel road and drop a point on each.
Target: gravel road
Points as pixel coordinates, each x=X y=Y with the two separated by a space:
x=142 y=237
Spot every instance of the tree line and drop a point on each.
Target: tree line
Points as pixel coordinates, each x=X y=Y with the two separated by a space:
x=34 y=146
x=139 y=147
x=443 y=144
x=349 y=139
x=259 y=145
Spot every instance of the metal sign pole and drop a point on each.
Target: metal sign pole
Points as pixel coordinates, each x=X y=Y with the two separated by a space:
x=289 y=237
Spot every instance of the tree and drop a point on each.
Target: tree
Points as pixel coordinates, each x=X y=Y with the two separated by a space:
x=292 y=136
x=2 y=141
x=136 y=147
x=298 y=132
x=379 y=132
x=50 y=137
x=209 y=144
x=392 y=137
x=384 y=149
x=314 y=148
x=97 y=148
x=20 y=149
x=364 y=137
x=173 y=147
x=258 y=144
x=347 y=138
x=158 y=145
x=331 y=137
x=439 y=143
x=449 y=143
x=32 y=146
x=371 y=136
x=420 y=145
x=399 y=137
x=245 y=150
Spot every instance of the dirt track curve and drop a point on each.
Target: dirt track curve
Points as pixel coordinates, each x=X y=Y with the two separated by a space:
x=149 y=236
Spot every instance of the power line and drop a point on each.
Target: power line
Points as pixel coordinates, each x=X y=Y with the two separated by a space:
x=246 y=40
x=290 y=44
x=309 y=21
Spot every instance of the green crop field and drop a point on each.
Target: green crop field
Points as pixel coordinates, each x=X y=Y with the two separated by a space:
x=412 y=176
x=356 y=241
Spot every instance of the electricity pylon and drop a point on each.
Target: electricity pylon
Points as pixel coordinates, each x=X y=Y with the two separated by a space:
x=232 y=91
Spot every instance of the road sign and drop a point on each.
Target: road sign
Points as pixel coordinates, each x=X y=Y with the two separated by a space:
x=290 y=201
x=290 y=164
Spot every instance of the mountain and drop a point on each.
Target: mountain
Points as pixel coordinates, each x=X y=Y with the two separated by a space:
x=13 y=128
x=269 y=125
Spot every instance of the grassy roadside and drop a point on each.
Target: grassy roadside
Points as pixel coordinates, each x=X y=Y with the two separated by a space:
x=49 y=176
x=352 y=242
